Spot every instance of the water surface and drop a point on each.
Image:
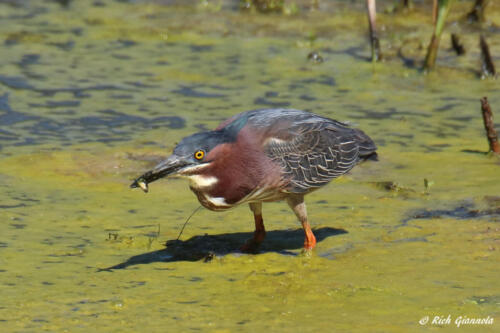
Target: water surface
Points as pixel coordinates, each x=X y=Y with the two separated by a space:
x=94 y=93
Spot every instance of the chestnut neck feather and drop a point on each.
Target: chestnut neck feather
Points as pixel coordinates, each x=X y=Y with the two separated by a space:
x=240 y=167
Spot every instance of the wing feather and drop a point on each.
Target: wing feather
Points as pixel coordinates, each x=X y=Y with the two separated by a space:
x=315 y=154
x=311 y=149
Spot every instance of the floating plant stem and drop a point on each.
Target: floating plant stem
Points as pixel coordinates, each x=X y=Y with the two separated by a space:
x=477 y=12
x=443 y=9
x=374 y=41
x=489 y=126
x=487 y=65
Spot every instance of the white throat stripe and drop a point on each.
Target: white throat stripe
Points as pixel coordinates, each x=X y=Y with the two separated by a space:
x=200 y=181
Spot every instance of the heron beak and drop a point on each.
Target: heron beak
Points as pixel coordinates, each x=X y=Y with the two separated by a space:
x=167 y=167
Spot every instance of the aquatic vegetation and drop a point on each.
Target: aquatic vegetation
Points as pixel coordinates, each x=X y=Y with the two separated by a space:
x=487 y=65
x=93 y=93
x=263 y=6
x=374 y=41
x=443 y=9
x=477 y=12
x=491 y=133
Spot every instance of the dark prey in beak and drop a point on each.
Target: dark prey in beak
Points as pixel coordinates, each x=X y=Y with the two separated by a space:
x=170 y=166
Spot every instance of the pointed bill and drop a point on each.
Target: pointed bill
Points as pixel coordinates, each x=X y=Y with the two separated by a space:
x=169 y=166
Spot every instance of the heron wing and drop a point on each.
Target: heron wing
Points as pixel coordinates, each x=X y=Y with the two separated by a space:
x=314 y=154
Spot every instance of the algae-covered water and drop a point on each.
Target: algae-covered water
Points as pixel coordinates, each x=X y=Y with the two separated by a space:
x=93 y=93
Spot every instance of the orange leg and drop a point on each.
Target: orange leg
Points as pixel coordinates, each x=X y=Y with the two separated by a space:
x=260 y=232
x=296 y=202
x=310 y=241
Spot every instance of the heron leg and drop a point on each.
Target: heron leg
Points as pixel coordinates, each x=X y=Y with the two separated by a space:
x=297 y=204
x=260 y=232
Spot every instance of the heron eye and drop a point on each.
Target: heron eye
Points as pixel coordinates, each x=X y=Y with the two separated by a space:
x=199 y=154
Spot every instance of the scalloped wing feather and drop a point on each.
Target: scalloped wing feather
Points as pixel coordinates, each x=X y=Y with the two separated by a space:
x=320 y=153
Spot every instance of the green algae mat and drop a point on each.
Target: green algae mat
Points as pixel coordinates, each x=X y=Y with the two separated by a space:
x=93 y=93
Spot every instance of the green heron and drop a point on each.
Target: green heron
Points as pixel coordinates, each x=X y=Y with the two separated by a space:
x=261 y=156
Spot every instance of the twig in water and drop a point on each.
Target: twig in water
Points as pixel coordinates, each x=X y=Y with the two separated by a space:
x=487 y=66
x=374 y=41
x=185 y=223
x=477 y=12
x=457 y=45
x=489 y=126
x=434 y=11
x=408 y=4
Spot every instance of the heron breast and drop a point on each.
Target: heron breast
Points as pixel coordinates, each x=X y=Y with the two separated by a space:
x=210 y=202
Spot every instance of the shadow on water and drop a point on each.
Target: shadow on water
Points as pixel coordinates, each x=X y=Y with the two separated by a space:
x=208 y=246
x=464 y=211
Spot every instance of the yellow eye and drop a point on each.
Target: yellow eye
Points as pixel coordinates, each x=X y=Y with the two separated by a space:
x=199 y=154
